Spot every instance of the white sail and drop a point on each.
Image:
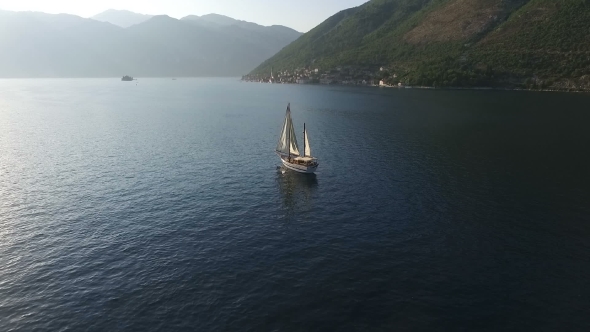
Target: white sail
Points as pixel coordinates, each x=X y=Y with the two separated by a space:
x=307 y=147
x=283 y=146
x=287 y=141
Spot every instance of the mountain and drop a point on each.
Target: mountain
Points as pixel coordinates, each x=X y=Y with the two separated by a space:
x=277 y=33
x=59 y=21
x=501 y=43
x=213 y=19
x=122 y=18
x=44 y=45
x=269 y=39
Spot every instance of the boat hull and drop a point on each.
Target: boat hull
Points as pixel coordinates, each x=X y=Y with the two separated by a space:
x=299 y=168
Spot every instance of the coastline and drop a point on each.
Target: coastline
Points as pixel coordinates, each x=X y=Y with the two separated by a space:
x=433 y=88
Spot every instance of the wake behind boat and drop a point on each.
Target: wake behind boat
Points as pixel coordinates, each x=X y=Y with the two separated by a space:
x=288 y=149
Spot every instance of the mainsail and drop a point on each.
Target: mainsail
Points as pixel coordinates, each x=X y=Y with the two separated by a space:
x=287 y=141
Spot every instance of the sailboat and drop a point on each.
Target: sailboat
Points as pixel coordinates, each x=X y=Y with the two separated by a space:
x=288 y=150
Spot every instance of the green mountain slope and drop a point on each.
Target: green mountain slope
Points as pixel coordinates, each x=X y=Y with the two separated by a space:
x=502 y=43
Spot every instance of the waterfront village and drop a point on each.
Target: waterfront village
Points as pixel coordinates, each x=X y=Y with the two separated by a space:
x=346 y=75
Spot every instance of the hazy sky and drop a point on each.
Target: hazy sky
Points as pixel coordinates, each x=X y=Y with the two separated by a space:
x=301 y=15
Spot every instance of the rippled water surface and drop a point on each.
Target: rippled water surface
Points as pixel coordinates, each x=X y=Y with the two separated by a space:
x=156 y=206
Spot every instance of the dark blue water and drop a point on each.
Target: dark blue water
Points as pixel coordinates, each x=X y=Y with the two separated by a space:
x=157 y=206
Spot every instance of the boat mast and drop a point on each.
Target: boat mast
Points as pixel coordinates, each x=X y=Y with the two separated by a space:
x=289 y=130
x=304 y=140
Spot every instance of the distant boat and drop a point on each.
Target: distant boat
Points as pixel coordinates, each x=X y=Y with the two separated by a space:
x=127 y=78
x=288 y=150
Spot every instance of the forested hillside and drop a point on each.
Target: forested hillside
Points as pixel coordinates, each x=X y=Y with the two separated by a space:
x=461 y=43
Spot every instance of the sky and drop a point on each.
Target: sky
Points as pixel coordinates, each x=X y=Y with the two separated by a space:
x=301 y=15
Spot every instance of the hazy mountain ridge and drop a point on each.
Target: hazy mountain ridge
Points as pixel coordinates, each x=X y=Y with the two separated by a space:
x=45 y=45
x=503 y=43
x=213 y=19
x=122 y=18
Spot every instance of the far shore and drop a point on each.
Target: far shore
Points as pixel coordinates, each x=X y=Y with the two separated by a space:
x=436 y=88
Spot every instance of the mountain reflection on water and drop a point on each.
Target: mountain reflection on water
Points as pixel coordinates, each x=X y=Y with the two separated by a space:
x=297 y=191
